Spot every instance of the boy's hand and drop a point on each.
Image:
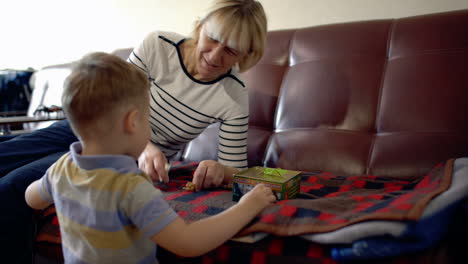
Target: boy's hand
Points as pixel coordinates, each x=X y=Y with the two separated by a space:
x=153 y=162
x=259 y=197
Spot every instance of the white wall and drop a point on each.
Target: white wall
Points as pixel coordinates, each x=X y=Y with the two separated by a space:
x=36 y=33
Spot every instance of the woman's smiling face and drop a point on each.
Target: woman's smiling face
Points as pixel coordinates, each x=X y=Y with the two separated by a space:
x=214 y=56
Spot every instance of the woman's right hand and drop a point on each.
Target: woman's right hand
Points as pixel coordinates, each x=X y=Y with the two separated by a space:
x=153 y=162
x=260 y=197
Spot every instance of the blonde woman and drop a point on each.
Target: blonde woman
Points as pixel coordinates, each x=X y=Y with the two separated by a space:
x=194 y=83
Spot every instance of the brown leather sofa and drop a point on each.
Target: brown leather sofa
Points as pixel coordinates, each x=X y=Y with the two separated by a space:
x=383 y=97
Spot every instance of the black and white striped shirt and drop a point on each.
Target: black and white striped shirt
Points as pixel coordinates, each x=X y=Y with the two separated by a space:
x=181 y=107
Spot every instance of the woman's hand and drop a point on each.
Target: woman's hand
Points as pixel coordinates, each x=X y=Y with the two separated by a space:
x=153 y=162
x=208 y=174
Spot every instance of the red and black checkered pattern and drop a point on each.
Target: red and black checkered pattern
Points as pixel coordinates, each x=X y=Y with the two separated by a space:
x=281 y=250
x=326 y=202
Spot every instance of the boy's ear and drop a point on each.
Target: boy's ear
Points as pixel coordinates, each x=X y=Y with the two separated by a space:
x=130 y=121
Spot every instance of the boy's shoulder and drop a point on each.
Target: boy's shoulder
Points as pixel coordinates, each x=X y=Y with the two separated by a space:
x=126 y=175
x=63 y=161
x=123 y=181
x=132 y=179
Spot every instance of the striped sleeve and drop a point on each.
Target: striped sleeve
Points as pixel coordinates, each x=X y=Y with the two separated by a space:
x=44 y=188
x=232 y=146
x=142 y=54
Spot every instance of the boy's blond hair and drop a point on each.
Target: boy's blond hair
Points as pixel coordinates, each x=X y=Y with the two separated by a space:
x=242 y=21
x=100 y=87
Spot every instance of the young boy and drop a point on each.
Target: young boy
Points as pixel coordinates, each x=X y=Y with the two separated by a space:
x=109 y=211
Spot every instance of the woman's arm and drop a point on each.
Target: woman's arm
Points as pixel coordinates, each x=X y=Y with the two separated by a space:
x=232 y=152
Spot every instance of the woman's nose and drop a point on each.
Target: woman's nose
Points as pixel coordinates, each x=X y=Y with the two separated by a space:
x=216 y=55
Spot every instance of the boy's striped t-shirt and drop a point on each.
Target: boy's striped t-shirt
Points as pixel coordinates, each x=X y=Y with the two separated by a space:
x=107 y=209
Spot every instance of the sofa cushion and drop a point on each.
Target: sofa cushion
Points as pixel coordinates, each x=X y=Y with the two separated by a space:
x=384 y=97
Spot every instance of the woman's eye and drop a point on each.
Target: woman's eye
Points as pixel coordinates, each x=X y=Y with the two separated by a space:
x=231 y=52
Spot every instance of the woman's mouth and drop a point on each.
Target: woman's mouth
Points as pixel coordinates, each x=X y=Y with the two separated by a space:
x=209 y=65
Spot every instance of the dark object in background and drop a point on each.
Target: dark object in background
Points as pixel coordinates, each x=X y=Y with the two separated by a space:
x=15 y=90
x=15 y=94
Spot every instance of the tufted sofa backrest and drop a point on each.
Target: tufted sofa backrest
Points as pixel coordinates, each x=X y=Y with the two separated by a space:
x=383 y=97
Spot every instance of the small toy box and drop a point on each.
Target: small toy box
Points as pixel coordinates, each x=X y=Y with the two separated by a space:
x=284 y=183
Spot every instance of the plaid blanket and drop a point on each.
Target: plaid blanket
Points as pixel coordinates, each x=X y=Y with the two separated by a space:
x=326 y=202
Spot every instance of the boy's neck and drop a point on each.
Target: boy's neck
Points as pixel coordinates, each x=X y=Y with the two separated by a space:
x=101 y=148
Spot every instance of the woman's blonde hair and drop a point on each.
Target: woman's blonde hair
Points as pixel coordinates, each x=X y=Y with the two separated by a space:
x=242 y=21
x=99 y=86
